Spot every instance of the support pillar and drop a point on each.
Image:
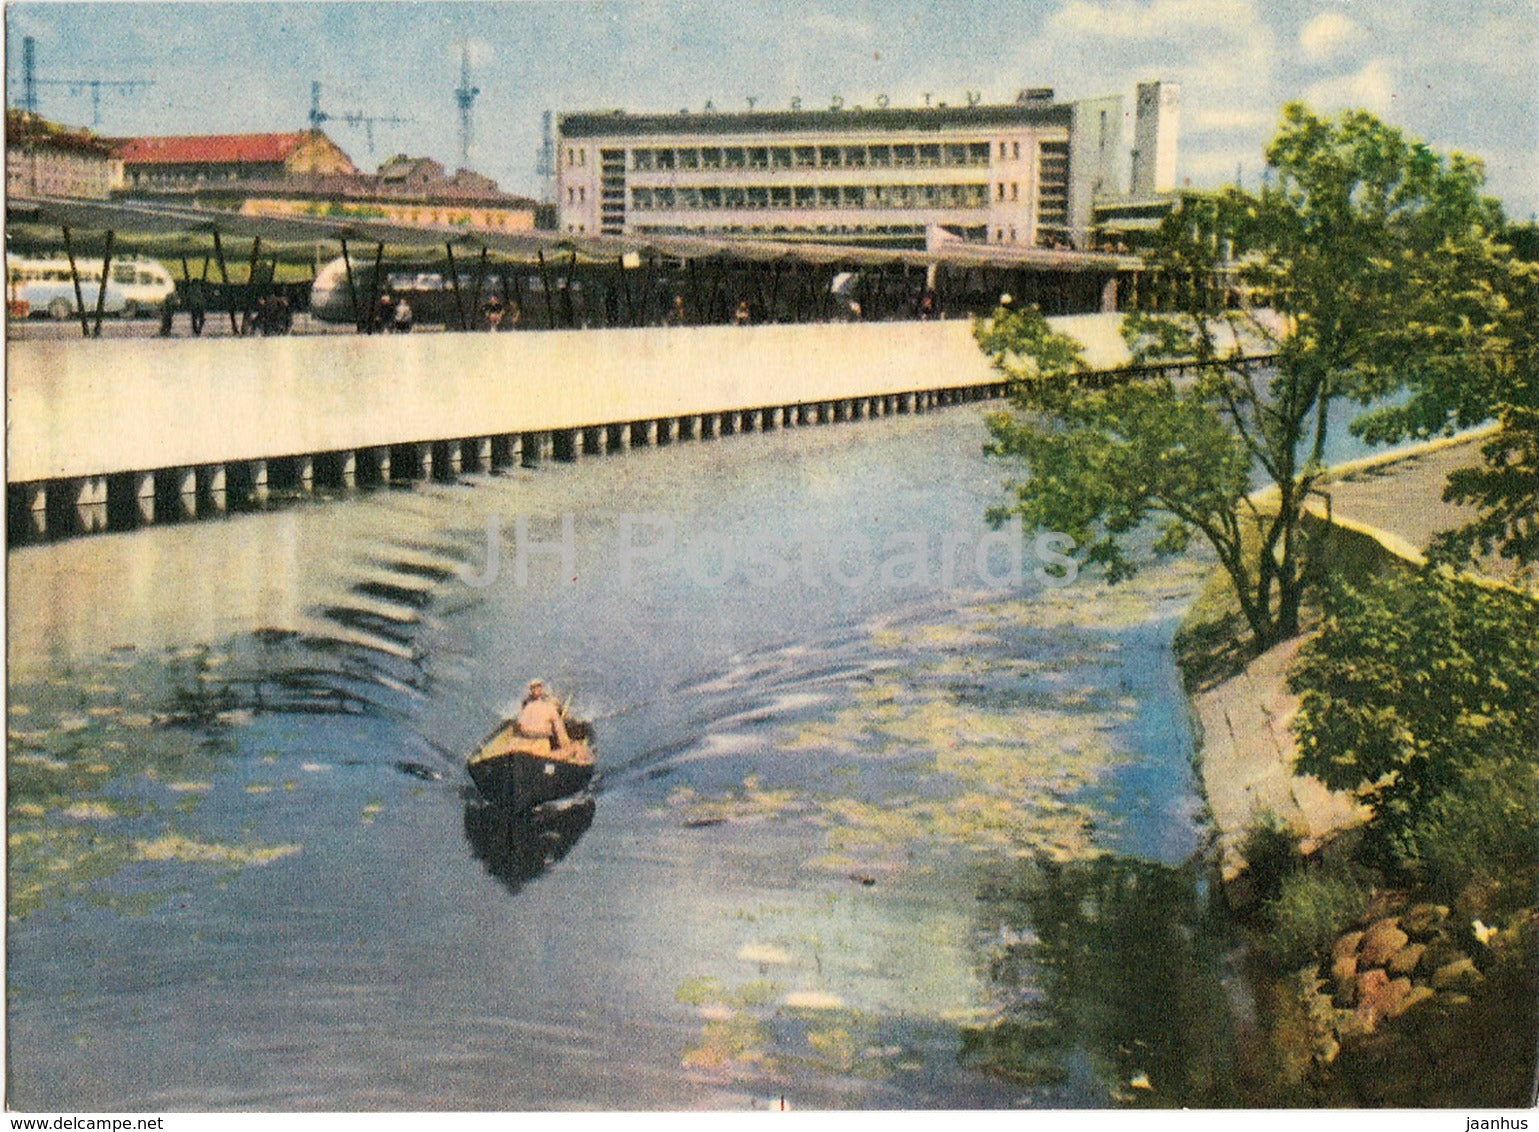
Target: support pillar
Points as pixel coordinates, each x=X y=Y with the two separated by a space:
x=144 y=497
x=27 y=508
x=506 y=450
x=665 y=426
x=592 y=441
x=643 y=432
x=619 y=438
x=710 y=426
x=212 y=488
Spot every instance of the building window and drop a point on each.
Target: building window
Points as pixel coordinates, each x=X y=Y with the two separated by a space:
x=1002 y=151
x=1001 y=188
x=1015 y=190
x=582 y=193
x=1016 y=146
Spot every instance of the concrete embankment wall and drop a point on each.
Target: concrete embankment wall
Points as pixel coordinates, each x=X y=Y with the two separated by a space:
x=98 y=407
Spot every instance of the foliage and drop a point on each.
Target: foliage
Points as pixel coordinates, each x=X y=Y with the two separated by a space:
x=1271 y=851
x=1485 y=828
x=1326 y=273
x=1414 y=688
x=1308 y=912
x=1113 y=455
x=1480 y=366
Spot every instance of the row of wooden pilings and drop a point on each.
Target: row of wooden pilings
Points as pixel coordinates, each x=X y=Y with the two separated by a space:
x=121 y=501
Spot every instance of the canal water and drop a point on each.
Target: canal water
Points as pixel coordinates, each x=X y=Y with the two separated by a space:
x=885 y=817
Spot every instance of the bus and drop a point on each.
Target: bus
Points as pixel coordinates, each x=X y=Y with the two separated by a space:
x=43 y=286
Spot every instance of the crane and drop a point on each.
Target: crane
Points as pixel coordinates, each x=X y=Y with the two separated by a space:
x=354 y=118
x=30 y=83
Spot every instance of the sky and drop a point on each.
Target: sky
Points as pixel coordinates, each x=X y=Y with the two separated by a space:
x=1459 y=76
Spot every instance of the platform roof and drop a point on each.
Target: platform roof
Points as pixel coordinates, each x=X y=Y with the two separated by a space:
x=162 y=219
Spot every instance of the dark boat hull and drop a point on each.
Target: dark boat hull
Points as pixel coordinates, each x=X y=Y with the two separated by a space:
x=508 y=773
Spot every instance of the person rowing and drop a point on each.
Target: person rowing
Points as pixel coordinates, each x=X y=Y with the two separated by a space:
x=540 y=718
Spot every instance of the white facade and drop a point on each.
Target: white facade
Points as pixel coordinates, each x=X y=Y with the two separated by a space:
x=1002 y=174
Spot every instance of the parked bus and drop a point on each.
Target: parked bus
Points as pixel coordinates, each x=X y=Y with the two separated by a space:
x=44 y=286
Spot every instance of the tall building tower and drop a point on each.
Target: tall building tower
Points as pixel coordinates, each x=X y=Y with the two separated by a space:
x=1156 y=126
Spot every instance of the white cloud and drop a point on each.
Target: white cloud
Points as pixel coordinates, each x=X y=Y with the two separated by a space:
x=1142 y=20
x=1373 y=88
x=1225 y=119
x=838 y=28
x=1328 y=35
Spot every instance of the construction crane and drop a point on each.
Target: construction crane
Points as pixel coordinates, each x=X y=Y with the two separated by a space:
x=465 y=97
x=30 y=83
x=354 y=118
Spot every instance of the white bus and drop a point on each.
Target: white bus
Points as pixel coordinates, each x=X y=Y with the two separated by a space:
x=43 y=286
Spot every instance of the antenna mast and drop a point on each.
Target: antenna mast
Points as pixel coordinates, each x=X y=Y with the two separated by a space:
x=465 y=97
x=545 y=167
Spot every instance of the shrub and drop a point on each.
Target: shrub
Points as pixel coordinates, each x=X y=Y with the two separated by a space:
x=1310 y=909
x=1271 y=852
x=1486 y=828
x=1414 y=682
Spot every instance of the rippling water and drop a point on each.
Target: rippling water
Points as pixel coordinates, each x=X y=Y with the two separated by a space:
x=870 y=831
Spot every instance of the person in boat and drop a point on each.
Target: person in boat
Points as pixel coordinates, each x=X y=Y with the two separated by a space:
x=540 y=717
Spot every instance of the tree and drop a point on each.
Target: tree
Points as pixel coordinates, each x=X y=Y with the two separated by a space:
x=1496 y=378
x=1418 y=689
x=1288 y=301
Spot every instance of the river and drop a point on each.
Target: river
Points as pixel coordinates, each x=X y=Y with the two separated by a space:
x=884 y=819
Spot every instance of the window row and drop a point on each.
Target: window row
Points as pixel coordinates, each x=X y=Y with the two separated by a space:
x=929 y=155
x=808 y=196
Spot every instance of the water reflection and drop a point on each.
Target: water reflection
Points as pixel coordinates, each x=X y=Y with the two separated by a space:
x=516 y=847
x=1118 y=959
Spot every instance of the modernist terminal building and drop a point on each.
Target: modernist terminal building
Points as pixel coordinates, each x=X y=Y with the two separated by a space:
x=1027 y=173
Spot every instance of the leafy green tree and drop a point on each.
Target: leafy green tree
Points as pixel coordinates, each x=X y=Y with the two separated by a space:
x=1496 y=355
x=1323 y=274
x=1416 y=687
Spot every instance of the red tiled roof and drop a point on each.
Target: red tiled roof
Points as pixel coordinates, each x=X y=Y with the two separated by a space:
x=210 y=149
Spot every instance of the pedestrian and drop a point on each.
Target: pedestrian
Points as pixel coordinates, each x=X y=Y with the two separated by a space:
x=743 y=316
x=675 y=315
x=167 y=314
x=492 y=314
x=402 y=317
x=384 y=314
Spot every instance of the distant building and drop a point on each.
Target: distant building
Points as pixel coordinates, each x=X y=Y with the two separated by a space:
x=307 y=175
x=408 y=191
x=1026 y=173
x=189 y=162
x=44 y=159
